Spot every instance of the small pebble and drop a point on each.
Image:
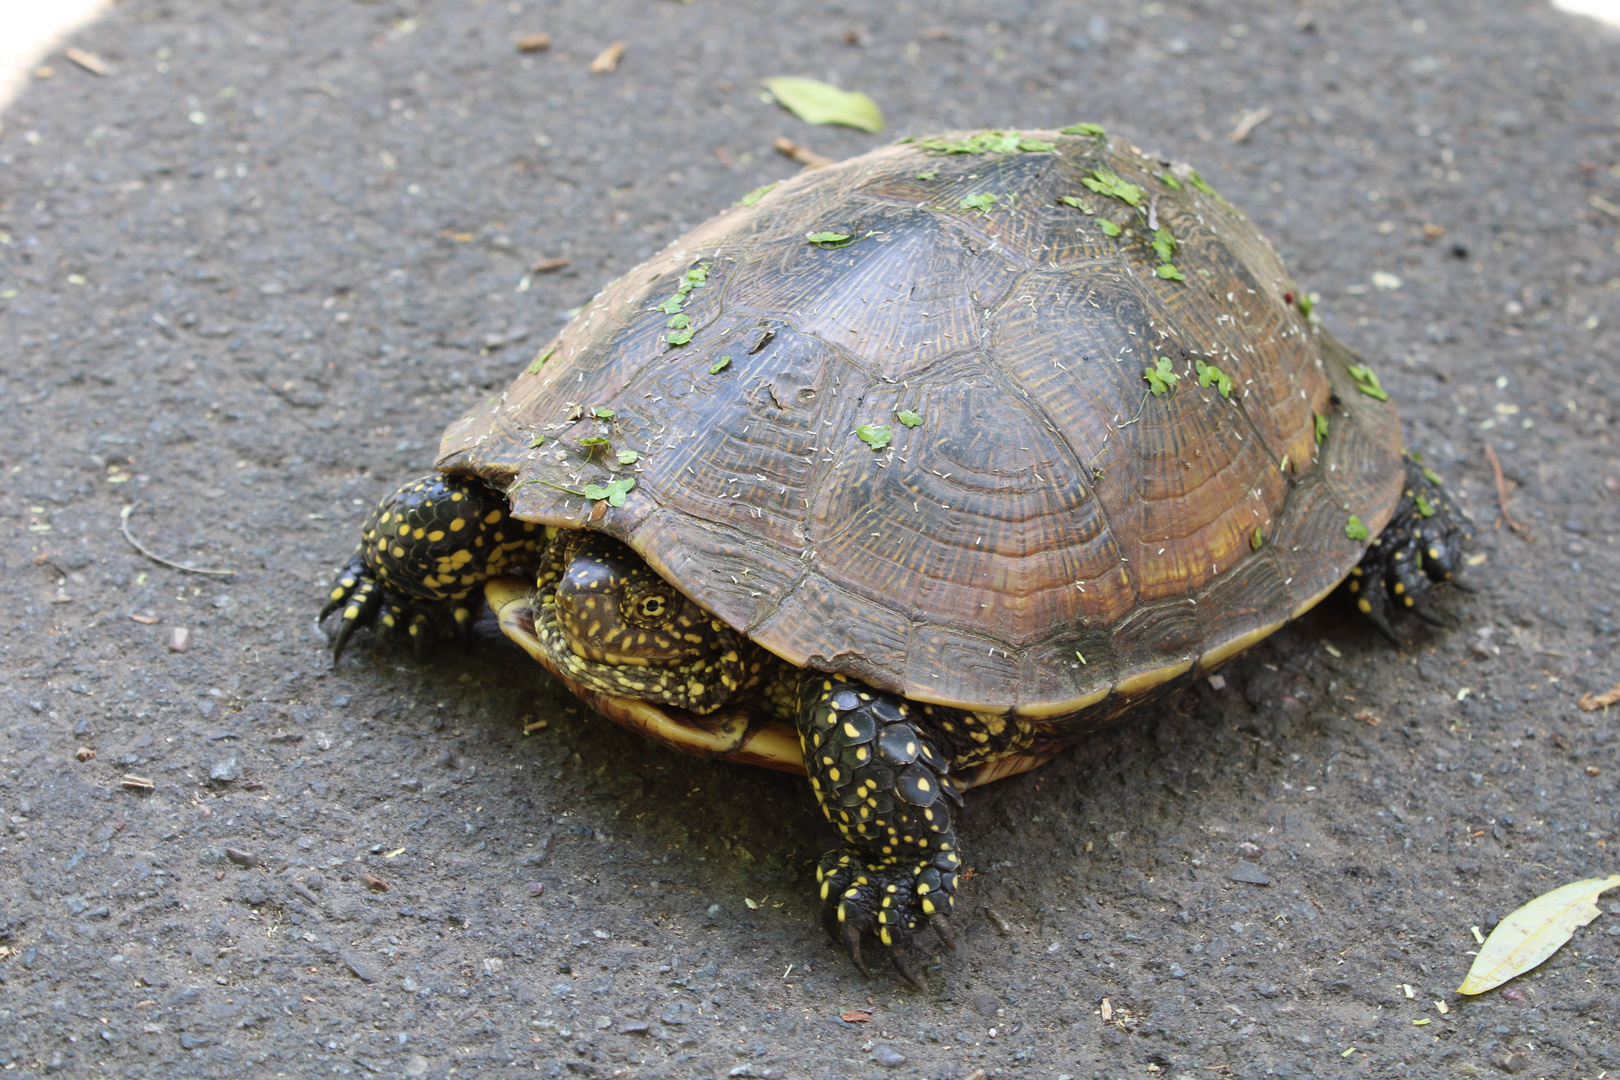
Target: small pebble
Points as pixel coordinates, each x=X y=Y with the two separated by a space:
x=537 y=888
x=888 y=1056
x=534 y=43
x=179 y=639
x=223 y=772
x=1249 y=873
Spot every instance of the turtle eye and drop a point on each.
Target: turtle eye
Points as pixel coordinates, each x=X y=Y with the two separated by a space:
x=653 y=607
x=649 y=605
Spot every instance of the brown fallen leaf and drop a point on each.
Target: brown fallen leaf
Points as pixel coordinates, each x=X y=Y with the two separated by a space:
x=546 y=266
x=87 y=60
x=802 y=154
x=1434 y=232
x=856 y=1016
x=147 y=620
x=136 y=783
x=1367 y=716
x=534 y=43
x=1594 y=702
x=608 y=58
x=85 y=753
x=374 y=882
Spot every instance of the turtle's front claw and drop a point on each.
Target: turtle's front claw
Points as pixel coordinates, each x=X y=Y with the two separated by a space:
x=890 y=901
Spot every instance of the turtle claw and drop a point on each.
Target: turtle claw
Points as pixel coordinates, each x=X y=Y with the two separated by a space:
x=851 y=939
x=942 y=927
x=903 y=966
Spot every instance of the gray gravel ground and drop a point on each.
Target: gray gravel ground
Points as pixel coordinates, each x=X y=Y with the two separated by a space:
x=247 y=276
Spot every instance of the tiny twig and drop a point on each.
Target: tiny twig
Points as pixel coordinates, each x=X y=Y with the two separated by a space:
x=123 y=525
x=1502 y=496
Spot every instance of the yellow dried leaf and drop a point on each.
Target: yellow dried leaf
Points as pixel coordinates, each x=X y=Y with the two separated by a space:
x=1534 y=932
x=817 y=102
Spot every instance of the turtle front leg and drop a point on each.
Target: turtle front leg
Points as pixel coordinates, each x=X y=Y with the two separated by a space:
x=885 y=783
x=423 y=551
x=1421 y=547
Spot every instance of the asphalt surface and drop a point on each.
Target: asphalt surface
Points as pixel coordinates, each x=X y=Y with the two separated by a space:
x=248 y=275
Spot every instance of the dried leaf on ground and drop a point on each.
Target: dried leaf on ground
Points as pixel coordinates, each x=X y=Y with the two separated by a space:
x=608 y=58
x=1594 y=702
x=856 y=1016
x=1533 y=933
x=817 y=102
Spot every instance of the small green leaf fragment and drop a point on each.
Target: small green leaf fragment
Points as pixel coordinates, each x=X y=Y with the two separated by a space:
x=539 y=361
x=1424 y=507
x=816 y=102
x=908 y=418
x=1170 y=273
x=876 y=436
x=1201 y=184
x=1367 y=382
x=1432 y=476
x=537 y=442
x=1258 y=539
x=678 y=321
x=1035 y=146
x=1282 y=466
x=720 y=365
x=1161 y=379
x=987 y=142
x=673 y=304
x=695 y=277
x=1169 y=181
x=1164 y=244
x=1107 y=182
x=1078 y=203
x=758 y=193
x=828 y=239
x=1423 y=1021
x=929 y=175
x=1534 y=932
x=1210 y=375
x=678 y=337
x=613 y=491
x=1108 y=227
x=1354 y=529
x=983 y=201
x=1094 y=130
x=628 y=457
x=593 y=442
x=1305 y=303
x=1321 y=428
x=602 y=414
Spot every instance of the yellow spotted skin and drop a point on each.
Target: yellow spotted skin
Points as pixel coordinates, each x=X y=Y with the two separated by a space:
x=423 y=556
x=612 y=625
x=1421 y=547
x=883 y=779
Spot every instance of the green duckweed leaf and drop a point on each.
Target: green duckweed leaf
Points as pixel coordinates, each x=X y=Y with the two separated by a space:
x=1424 y=507
x=1432 y=476
x=628 y=457
x=1321 y=428
x=983 y=201
x=1201 y=184
x=1210 y=375
x=1094 y=130
x=602 y=414
x=1354 y=529
x=696 y=277
x=1078 y=203
x=876 y=436
x=1169 y=273
x=929 y=175
x=673 y=304
x=1108 y=227
x=816 y=102
x=539 y=361
x=678 y=337
x=908 y=418
x=987 y=142
x=720 y=365
x=537 y=442
x=592 y=443
x=1161 y=379
x=613 y=491
x=1534 y=932
x=1258 y=539
x=1164 y=244
x=1367 y=382
x=678 y=321
x=1169 y=181
x=1107 y=182
x=828 y=239
x=758 y=193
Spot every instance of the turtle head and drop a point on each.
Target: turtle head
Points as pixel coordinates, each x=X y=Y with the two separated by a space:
x=610 y=623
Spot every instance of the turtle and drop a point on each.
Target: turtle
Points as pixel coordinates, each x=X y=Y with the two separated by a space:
x=910 y=471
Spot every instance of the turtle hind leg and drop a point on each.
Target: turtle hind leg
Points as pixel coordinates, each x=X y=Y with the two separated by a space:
x=423 y=552
x=883 y=781
x=1421 y=547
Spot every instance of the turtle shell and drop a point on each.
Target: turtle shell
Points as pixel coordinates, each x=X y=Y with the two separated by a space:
x=893 y=419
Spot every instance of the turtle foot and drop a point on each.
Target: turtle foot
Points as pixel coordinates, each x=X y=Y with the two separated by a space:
x=423 y=552
x=891 y=901
x=1420 y=548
